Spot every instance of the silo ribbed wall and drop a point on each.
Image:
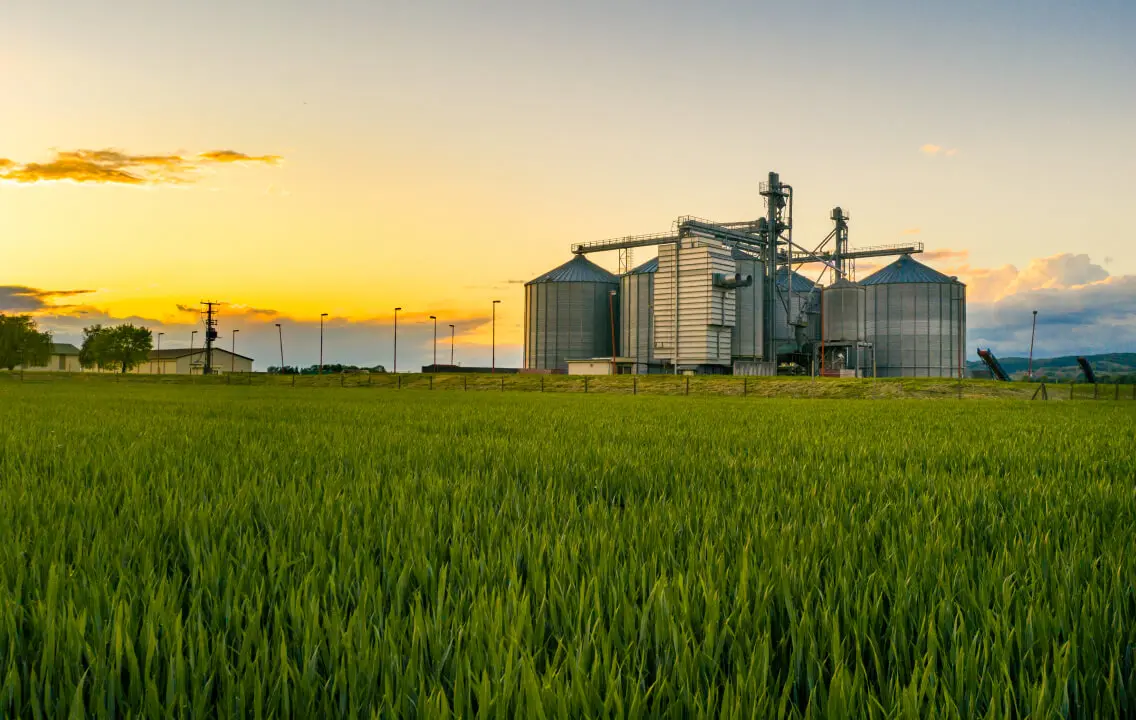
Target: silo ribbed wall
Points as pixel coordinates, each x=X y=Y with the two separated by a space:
x=918 y=329
x=567 y=315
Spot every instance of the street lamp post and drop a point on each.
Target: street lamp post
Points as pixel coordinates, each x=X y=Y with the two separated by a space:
x=280 y=334
x=322 y=316
x=159 y=354
x=451 y=346
x=191 y=336
x=396 y=338
x=493 y=369
x=233 y=356
x=1033 y=334
x=435 y=319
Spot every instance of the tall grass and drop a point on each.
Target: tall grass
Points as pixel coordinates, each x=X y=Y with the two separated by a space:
x=255 y=552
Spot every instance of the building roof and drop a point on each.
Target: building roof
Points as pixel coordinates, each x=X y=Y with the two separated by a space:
x=64 y=349
x=650 y=266
x=175 y=353
x=578 y=269
x=907 y=269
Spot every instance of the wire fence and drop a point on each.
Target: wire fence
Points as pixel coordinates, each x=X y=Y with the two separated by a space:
x=681 y=385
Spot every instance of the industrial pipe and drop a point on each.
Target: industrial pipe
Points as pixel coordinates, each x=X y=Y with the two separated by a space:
x=732 y=282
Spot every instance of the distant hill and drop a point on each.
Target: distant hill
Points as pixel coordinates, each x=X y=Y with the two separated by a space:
x=1110 y=365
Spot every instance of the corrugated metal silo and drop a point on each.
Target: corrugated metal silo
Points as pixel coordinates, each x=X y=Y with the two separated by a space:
x=844 y=313
x=567 y=316
x=747 y=342
x=636 y=321
x=916 y=319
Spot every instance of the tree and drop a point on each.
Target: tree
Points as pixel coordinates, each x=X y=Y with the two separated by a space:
x=21 y=343
x=121 y=348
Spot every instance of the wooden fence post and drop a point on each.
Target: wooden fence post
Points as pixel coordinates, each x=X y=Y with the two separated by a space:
x=431 y=382
x=502 y=383
x=745 y=387
x=399 y=381
x=687 y=384
x=465 y=382
x=1096 y=389
x=585 y=384
x=634 y=384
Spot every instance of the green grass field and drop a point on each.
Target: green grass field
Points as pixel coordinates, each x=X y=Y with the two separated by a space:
x=213 y=551
x=702 y=385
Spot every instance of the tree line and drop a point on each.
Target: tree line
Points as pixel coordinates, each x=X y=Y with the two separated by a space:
x=328 y=369
x=119 y=348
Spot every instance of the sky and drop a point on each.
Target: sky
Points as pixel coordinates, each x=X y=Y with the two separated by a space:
x=348 y=157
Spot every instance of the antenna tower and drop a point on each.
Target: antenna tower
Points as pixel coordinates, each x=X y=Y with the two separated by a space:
x=210 y=313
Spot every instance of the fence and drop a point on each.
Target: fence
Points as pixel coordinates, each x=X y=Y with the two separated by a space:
x=698 y=385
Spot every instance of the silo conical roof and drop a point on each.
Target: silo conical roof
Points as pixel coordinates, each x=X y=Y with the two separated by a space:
x=650 y=266
x=906 y=269
x=578 y=269
x=801 y=284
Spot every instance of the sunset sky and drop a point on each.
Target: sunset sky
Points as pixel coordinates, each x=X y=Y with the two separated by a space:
x=292 y=158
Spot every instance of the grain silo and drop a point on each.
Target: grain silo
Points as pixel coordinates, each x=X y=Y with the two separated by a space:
x=916 y=320
x=844 y=339
x=636 y=319
x=567 y=315
x=843 y=310
x=747 y=342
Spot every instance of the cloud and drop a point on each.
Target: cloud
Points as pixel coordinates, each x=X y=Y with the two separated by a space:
x=111 y=166
x=21 y=299
x=232 y=156
x=944 y=254
x=912 y=231
x=365 y=341
x=934 y=150
x=1081 y=307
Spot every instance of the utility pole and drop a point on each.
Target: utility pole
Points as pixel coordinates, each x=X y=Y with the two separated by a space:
x=396 y=339
x=280 y=334
x=451 y=346
x=611 y=316
x=322 y=316
x=493 y=369
x=191 y=336
x=210 y=333
x=1033 y=334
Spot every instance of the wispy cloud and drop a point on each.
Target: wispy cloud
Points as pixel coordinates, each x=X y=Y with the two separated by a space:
x=945 y=254
x=232 y=156
x=933 y=150
x=112 y=166
x=912 y=231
